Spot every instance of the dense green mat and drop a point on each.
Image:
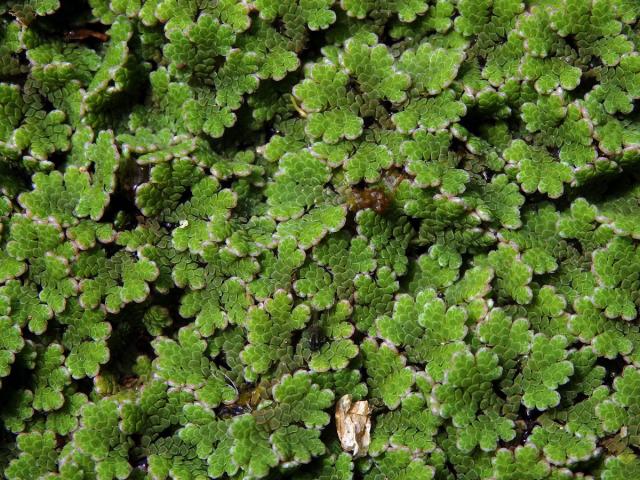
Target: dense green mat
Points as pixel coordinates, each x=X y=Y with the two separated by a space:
x=219 y=218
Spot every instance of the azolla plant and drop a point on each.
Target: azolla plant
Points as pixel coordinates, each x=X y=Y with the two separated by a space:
x=319 y=239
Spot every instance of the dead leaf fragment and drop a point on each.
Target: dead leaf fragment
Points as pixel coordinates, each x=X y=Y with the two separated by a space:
x=353 y=423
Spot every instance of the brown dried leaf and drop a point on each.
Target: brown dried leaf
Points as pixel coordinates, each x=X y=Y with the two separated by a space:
x=353 y=423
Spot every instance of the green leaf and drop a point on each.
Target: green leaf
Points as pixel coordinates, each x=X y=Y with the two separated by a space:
x=537 y=170
x=389 y=378
x=546 y=368
x=270 y=327
x=431 y=69
x=38 y=456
